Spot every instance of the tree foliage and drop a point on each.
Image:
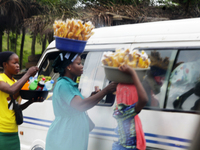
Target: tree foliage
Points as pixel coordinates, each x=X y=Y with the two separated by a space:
x=50 y=3
x=125 y=2
x=39 y=15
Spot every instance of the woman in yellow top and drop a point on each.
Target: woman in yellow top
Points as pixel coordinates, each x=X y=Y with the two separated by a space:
x=9 y=139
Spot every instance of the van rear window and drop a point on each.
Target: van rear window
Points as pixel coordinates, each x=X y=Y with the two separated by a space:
x=184 y=82
x=156 y=79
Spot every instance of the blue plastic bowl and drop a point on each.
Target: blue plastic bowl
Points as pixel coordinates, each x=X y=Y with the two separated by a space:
x=70 y=45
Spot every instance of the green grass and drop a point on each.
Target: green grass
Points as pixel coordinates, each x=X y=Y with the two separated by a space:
x=27 y=47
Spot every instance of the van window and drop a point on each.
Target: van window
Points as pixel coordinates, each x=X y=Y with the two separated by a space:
x=94 y=76
x=184 y=77
x=156 y=79
x=46 y=66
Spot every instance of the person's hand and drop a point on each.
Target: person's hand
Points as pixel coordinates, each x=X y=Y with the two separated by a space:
x=127 y=69
x=39 y=99
x=96 y=90
x=111 y=87
x=32 y=71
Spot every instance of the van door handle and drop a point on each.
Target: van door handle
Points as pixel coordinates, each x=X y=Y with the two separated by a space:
x=44 y=69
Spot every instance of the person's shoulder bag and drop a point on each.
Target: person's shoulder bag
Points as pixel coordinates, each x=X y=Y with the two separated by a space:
x=18 y=111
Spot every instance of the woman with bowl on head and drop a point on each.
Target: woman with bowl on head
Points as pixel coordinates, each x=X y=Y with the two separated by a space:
x=130 y=99
x=70 y=129
x=9 y=139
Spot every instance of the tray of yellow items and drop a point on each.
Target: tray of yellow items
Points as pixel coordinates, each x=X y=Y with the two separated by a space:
x=72 y=35
x=138 y=61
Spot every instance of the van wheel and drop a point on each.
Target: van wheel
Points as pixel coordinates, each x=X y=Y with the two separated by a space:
x=37 y=147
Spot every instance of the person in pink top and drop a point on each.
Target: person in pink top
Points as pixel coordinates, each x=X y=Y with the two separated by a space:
x=131 y=98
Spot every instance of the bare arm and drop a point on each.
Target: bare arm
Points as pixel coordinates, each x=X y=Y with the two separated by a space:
x=87 y=103
x=29 y=102
x=16 y=87
x=142 y=96
x=25 y=105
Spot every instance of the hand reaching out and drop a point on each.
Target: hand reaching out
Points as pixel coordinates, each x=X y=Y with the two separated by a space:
x=96 y=90
x=32 y=71
x=111 y=87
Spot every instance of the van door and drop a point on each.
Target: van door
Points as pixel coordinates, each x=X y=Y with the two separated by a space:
x=169 y=119
x=39 y=116
x=103 y=135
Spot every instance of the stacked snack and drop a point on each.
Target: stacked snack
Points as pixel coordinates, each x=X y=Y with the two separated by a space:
x=133 y=58
x=73 y=29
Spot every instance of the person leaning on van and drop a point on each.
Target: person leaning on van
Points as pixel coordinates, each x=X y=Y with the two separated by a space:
x=9 y=139
x=70 y=129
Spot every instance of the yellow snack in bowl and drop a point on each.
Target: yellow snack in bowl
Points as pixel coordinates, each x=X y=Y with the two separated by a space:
x=73 y=29
x=141 y=63
x=133 y=58
x=131 y=61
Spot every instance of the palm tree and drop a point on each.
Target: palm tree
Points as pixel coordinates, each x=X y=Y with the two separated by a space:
x=11 y=13
x=42 y=25
x=14 y=12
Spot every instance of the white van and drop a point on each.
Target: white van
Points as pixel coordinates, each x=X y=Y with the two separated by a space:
x=169 y=120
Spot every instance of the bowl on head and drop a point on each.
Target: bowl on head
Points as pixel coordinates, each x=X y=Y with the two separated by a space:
x=114 y=74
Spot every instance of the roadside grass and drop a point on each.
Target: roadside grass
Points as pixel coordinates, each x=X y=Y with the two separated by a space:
x=27 y=47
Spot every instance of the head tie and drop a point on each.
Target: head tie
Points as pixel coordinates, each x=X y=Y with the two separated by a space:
x=63 y=60
x=61 y=56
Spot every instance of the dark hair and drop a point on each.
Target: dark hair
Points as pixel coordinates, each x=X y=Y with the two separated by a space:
x=5 y=56
x=63 y=60
x=157 y=71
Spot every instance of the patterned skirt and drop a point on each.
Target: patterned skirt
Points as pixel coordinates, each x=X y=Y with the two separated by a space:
x=117 y=146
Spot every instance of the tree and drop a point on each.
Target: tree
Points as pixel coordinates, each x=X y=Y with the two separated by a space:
x=13 y=13
x=120 y=2
x=187 y=4
x=43 y=24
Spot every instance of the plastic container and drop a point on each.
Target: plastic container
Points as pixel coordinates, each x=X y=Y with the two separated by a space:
x=29 y=95
x=48 y=85
x=70 y=45
x=33 y=85
x=31 y=79
x=114 y=74
x=41 y=85
x=25 y=86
